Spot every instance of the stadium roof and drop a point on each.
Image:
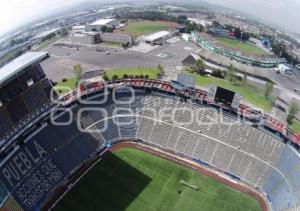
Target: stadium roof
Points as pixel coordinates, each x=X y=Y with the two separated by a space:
x=20 y=63
x=45 y=33
x=101 y=22
x=156 y=36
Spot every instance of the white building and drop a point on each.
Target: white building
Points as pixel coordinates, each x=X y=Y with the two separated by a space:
x=102 y=22
x=186 y=37
x=117 y=38
x=85 y=38
x=156 y=36
x=200 y=21
x=78 y=29
x=284 y=69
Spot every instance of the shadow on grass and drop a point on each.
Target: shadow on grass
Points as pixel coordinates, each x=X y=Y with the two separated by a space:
x=112 y=185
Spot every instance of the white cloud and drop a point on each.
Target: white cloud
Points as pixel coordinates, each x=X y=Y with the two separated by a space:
x=13 y=13
x=283 y=12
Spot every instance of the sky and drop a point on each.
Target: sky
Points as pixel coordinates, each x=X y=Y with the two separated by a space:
x=285 y=13
x=13 y=13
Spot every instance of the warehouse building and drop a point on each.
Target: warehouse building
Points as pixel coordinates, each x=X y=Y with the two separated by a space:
x=117 y=38
x=97 y=25
x=157 y=37
x=78 y=29
x=85 y=38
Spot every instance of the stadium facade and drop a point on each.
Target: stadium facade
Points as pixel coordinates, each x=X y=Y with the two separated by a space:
x=266 y=62
x=64 y=138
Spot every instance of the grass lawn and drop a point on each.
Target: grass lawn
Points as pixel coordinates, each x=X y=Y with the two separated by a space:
x=152 y=72
x=70 y=83
x=295 y=126
x=135 y=181
x=250 y=93
x=145 y=27
x=111 y=44
x=244 y=47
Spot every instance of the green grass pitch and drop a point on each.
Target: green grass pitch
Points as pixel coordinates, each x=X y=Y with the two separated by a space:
x=244 y=47
x=137 y=181
x=145 y=27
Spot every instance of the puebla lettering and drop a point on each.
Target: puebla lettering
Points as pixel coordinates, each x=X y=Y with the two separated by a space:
x=22 y=163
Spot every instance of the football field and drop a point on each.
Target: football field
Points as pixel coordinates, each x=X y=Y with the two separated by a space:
x=133 y=180
x=242 y=46
x=146 y=27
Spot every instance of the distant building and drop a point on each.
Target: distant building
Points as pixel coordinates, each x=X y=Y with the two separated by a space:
x=97 y=25
x=158 y=36
x=85 y=38
x=266 y=42
x=254 y=41
x=190 y=60
x=284 y=69
x=115 y=37
x=78 y=29
x=200 y=21
x=186 y=37
x=39 y=37
x=181 y=28
x=219 y=32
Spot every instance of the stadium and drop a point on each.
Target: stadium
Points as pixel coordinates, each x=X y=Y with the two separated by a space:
x=244 y=55
x=49 y=144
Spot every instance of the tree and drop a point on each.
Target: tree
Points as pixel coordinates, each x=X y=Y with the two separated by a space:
x=161 y=70
x=110 y=29
x=77 y=69
x=268 y=89
x=294 y=108
x=216 y=24
x=245 y=79
x=199 y=67
x=104 y=28
x=63 y=32
x=105 y=77
x=218 y=73
x=115 y=77
x=232 y=70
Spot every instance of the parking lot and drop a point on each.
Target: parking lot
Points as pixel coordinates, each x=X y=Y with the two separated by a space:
x=62 y=59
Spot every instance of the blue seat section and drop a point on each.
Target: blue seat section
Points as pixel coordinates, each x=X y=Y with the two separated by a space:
x=55 y=136
x=66 y=160
x=287 y=161
x=110 y=130
x=277 y=188
x=289 y=164
x=5 y=123
x=3 y=192
x=128 y=126
x=278 y=192
x=82 y=147
x=36 y=162
x=34 y=97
